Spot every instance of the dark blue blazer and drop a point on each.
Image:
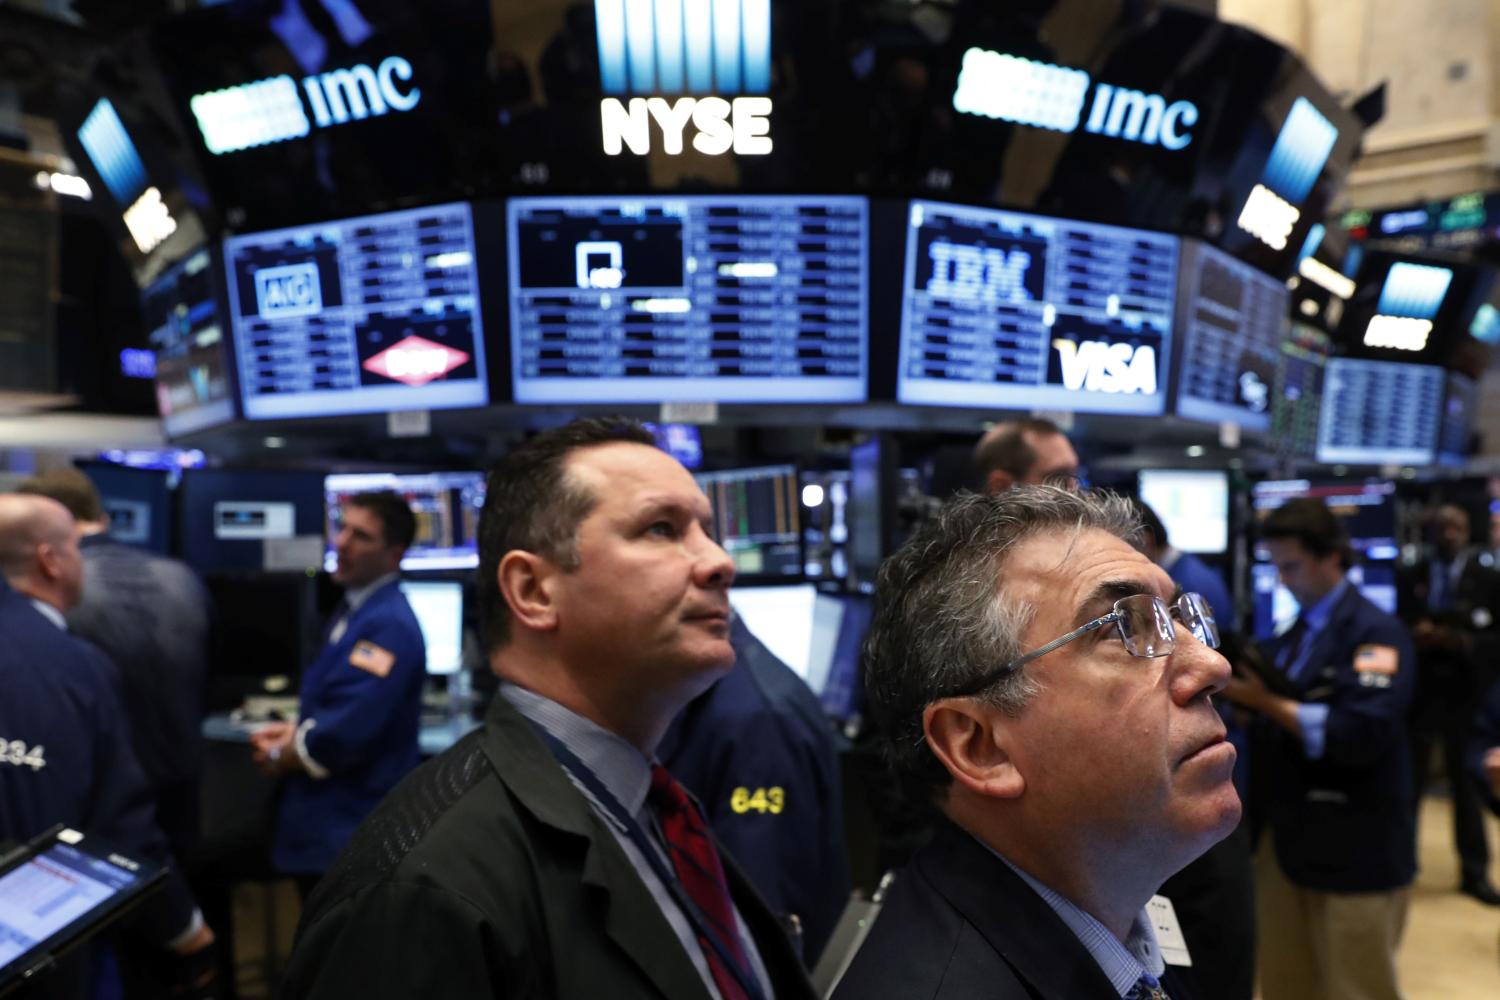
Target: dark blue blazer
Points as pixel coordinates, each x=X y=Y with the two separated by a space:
x=1344 y=823
x=366 y=731
x=959 y=924
x=66 y=756
x=757 y=751
x=1194 y=575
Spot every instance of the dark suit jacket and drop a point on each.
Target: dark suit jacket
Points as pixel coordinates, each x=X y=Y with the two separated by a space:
x=1460 y=677
x=959 y=924
x=487 y=874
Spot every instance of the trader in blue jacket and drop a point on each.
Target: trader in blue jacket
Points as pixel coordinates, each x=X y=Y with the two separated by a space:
x=1331 y=776
x=360 y=701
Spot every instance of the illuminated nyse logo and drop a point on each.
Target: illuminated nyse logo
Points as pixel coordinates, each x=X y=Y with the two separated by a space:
x=708 y=48
x=1301 y=150
x=415 y=361
x=272 y=110
x=288 y=290
x=1100 y=366
x=599 y=264
x=1409 y=300
x=996 y=85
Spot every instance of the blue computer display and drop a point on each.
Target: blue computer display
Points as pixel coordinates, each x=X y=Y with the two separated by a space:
x=1011 y=311
x=1379 y=412
x=446 y=505
x=732 y=299
x=358 y=316
x=185 y=326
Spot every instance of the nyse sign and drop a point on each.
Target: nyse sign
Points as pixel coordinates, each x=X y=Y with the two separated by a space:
x=742 y=125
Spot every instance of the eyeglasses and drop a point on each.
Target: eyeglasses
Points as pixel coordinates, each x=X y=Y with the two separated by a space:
x=1146 y=625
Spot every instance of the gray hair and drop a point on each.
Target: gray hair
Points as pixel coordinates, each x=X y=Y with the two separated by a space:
x=943 y=619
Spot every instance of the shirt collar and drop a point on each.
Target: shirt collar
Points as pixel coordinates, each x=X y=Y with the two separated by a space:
x=1316 y=617
x=355 y=596
x=1122 y=964
x=619 y=766
x=50 y=613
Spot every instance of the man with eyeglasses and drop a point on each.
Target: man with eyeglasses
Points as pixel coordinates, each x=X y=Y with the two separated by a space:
x=1330 y=774
x=1049 y=691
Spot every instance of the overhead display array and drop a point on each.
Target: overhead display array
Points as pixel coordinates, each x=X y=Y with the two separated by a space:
x=1380 y=412
x=730 y=299
x=185 y=327
x=1232 y=322
x=1012 y=311
x=358 y=316
x=1298 y=400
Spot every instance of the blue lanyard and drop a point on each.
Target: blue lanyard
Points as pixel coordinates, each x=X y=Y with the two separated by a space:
x=701 y=925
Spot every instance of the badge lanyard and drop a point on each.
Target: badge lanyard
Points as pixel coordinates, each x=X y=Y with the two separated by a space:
x=745 y=977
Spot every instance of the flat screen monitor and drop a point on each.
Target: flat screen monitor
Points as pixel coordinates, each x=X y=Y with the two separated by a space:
x=446 y=504
x=1193 y=505
x=137 y=502
x=439 y=607
x=1460 y=405
x=1298 y=399
x=757 y=518
x=235 y=519
x=1230 y=320
x=817 y=634
x=1379 y=412
x=1010 y=311
x=738 y=299
x=184 y=318
x=363 y=315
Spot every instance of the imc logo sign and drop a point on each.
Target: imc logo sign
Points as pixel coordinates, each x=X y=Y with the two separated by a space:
x=718 y=51
x=1409 y=302
x=1298 y=157
x=288 y=291
x=272 y=110
x=996 y=85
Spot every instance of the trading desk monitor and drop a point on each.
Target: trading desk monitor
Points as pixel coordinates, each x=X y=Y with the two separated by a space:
x=446 y=505
x=747 y=299
x=360 y=316
x=1298 y=399
x=1230 y=319
x=439 y=607
x=1011 y=311
x=185 y=327
x=1193 y=505
x=1379 y=412
x=758 y=521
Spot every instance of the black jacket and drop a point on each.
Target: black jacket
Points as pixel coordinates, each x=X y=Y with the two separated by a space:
x=487 y=874
x=959 y=924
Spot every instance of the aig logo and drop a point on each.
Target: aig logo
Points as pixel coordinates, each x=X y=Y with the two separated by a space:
x=1100 y=366
x=718 y=51
x=287 y=291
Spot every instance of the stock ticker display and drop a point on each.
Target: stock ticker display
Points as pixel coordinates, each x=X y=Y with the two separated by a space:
x=1231 y=324
x=358 y=316
x=446 y=506
x=733 y=299
x=184 y=325
x=1004 y=310
x=1380 y=412
x=1299 y=389
x=757 y=518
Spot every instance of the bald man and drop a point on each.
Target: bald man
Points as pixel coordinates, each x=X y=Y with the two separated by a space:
x=59 y=707
x=1029 y=452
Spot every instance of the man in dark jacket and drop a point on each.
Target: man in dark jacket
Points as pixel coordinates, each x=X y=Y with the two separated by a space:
x=150 y=615
x=547 y=856
x=1330 y=774
x=1046 y=686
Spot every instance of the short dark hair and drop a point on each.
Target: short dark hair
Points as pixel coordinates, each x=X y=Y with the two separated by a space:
x=530 y=505
x=1008 y=451
x=69 y=487
x=943 y=617
x=1151 y=526
x=398 y=524
x=1308 y=521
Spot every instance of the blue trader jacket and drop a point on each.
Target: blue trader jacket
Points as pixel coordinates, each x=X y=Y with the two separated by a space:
x=363 y=695
x=1343 y=822
x=66 y=757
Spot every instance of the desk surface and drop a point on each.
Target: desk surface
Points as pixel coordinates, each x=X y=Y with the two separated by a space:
x=434 y=737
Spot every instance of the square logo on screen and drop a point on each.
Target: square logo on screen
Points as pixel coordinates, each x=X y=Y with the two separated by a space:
x=288 y=290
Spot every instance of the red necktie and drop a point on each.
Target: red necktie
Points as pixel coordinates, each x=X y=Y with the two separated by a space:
x=702 y=876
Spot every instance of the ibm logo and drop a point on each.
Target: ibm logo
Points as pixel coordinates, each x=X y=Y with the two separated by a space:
x=1298 y=157
x=272 y=110
x=1409 y=300
x=288 y=290
x=996 y=85
x=703 y=47
x=104 y=138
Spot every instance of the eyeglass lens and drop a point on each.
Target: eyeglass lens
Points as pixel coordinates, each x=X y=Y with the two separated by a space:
x=1147 y=628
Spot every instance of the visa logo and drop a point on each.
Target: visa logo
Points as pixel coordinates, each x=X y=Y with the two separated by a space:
x=288 y=290
x=1098 y=366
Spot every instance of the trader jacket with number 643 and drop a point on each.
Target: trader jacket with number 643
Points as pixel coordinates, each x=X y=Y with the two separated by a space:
x=360 y=710
x=1341 y=818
